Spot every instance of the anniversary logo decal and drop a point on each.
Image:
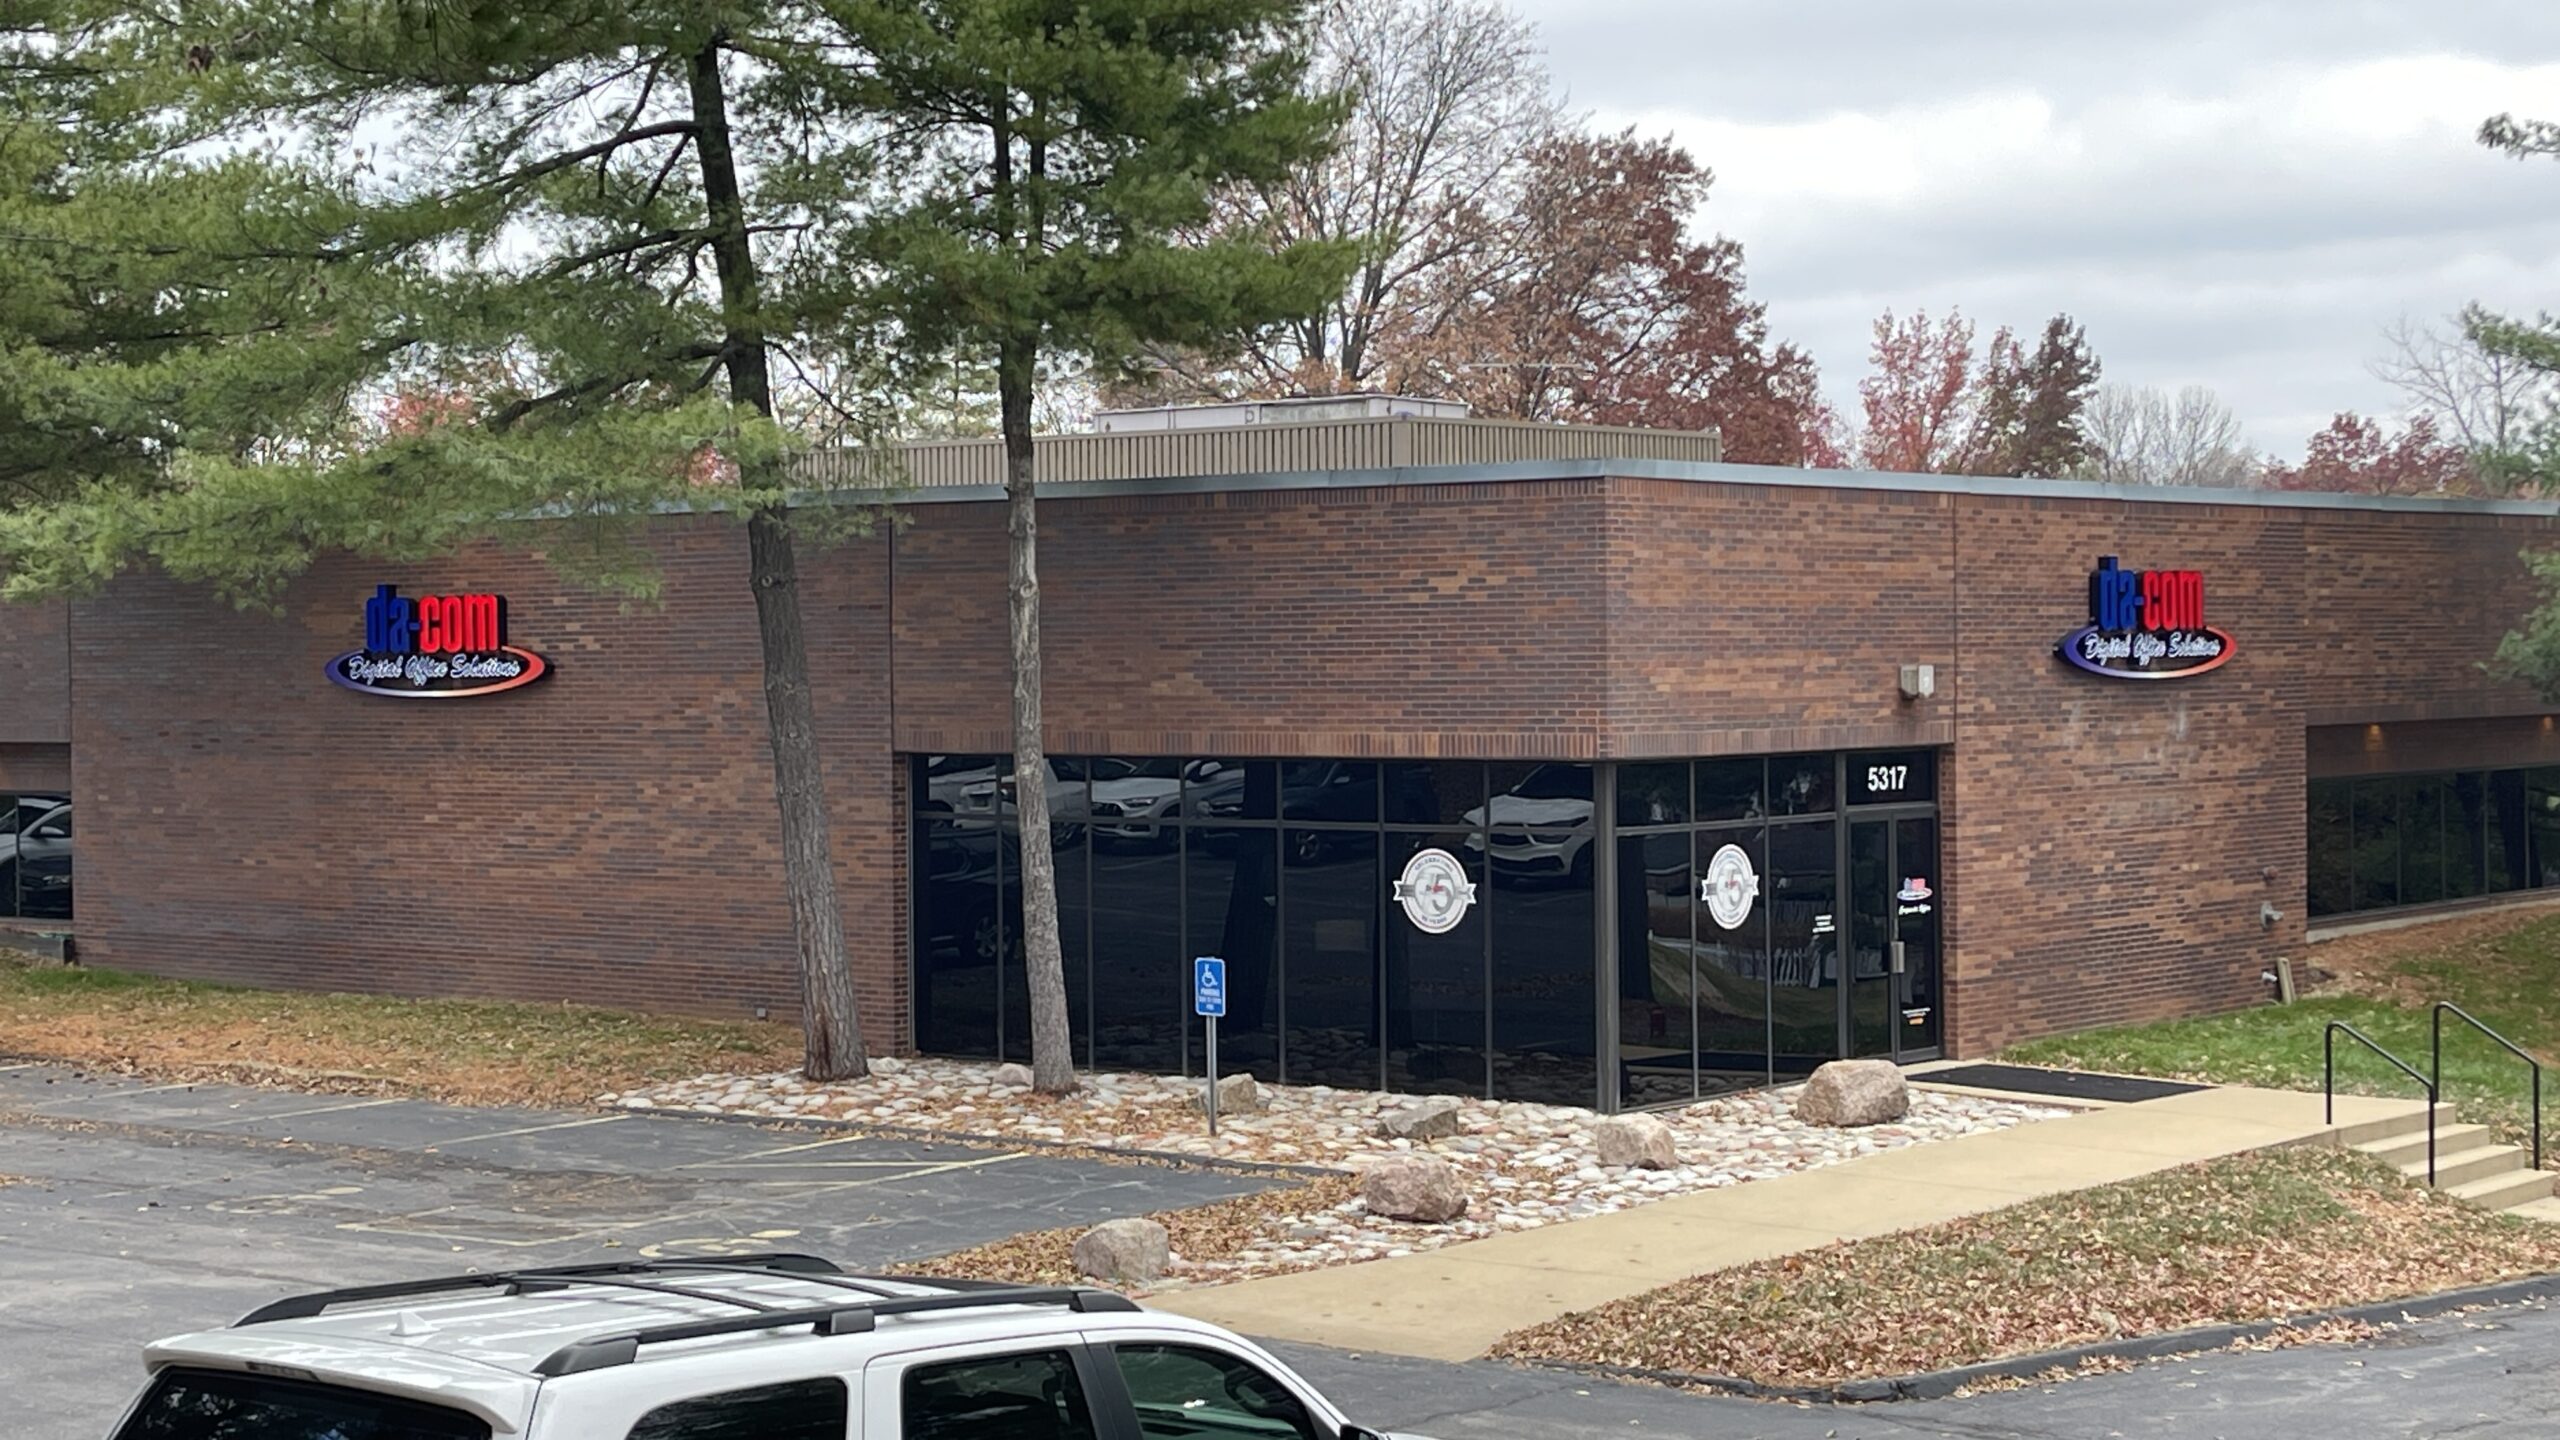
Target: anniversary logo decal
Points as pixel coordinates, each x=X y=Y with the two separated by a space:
x=436 y=647
x=2145 y=625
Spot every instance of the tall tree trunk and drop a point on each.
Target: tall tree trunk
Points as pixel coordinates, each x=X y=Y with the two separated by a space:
x=830 y=1023
x=1053 y=1067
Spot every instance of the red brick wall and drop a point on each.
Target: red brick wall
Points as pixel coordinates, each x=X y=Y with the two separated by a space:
x=1429 y=620
x=2109 y=843
x=2111 y=840
x=35 y=673
x=1752 y=619
x=606 y=835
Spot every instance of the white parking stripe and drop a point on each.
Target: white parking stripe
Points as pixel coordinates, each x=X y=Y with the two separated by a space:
x=536 y=1129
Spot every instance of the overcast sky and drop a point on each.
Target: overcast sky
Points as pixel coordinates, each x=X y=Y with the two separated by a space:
x=2235 y=193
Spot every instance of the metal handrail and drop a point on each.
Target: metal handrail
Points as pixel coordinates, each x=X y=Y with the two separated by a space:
x=2435 y=1064
x=2329 y=1082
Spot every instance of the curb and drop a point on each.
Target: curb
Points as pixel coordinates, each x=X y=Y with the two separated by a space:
x=1937 y=1384
x=1174 y=1159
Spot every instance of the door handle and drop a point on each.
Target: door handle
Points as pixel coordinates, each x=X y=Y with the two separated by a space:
x=1897 y=957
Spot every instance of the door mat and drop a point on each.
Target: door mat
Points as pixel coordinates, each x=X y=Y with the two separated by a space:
x=2061 y=1084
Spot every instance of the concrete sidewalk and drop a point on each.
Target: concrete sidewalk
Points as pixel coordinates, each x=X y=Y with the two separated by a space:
x=1453 y=1304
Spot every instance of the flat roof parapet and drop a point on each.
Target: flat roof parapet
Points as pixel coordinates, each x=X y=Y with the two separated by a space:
x=1391 y=442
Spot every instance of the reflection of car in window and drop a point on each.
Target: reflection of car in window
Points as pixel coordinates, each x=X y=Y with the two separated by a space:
x=1541 y=826
x=981 y=787
x=35 y=858
x=1136 y=802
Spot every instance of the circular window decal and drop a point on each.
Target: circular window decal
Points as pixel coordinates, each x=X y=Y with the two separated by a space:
x=1729 y=887
x=1435 y=891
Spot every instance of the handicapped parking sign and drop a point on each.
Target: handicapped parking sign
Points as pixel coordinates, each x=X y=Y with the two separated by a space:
x=1209 y=986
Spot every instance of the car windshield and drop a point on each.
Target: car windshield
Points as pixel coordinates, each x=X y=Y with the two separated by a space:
x=222 y=1405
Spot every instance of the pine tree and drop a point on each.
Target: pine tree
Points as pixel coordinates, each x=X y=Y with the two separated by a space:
x=1051 y=155
x=235 y=227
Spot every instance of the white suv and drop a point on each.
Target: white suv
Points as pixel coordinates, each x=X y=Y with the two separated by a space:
x=765 y=1347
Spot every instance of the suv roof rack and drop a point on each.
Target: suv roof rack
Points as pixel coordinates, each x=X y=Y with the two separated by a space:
x=604 y=1351
x=623 y=1347
x=515 y=1282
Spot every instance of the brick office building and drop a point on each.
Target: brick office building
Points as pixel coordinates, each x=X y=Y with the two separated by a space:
x=1690 y=814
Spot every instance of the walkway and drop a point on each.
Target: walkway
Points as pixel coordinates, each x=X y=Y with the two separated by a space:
x=1453 y=1304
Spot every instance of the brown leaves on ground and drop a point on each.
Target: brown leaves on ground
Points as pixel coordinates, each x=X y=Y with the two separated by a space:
x=2253 y=1237
x=1205 y=1233
x=467 y=1051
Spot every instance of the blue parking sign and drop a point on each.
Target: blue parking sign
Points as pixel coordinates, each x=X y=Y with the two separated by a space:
x=1209 y=985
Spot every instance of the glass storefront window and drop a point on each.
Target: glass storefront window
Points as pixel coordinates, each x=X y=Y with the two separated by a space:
x=1285 y=870
x=2377 y=843
x=1329 y=948
x=1653 y=793
x=1657 y=980
x=2328 y=850
x=1801 y=785
x=1733 y=976
x=1731 y=789
x=1432 y=792
x=1545 y=1045
x=1231 y=909
x=1434 y=985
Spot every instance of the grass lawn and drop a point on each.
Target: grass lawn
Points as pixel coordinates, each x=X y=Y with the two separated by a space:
x=471 y=1051
x=2504 y=969
x=2252 y=1237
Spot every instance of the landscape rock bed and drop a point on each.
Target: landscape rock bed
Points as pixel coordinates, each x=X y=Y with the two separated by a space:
x=1522 y=1165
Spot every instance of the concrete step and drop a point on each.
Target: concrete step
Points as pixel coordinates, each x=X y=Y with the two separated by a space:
x=2412 y=1147
x=2502 y=1192
x=2457 y=1167
x=2546 y=1210
x=2412 y=1121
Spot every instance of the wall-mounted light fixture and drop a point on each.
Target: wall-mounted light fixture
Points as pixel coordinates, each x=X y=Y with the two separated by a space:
x=1919 y=682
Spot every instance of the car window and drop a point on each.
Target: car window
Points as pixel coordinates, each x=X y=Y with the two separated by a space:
x=1034 y=1396
x=1556 y=782
x=221 y=1405
x=56 y=826
x=1183 y=1391
x=800 y=1410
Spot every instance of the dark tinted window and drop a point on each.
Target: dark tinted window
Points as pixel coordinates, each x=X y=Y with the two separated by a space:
x=1230 y=789
x=801 y=1410
x=1543 y=1016
x=1800 y=785
x=1141 y=973
x=211 y=1405
x=1556 y=781
x=1730 y=789
x=2377 y=843
x=1435 y=984
x=1344 y=792
x=1330 y=893
x=996 y=1397
x=2421 y=839
x=1182 y=1392
x=960 y=935
x=2328 y=851
x=1231 y=909
x=1432 y=792
x=1653 y=794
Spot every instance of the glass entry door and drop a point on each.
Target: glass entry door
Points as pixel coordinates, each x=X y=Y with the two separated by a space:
x=1890 y=993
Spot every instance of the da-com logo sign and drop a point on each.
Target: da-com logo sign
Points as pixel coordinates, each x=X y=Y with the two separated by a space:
x=2145 y=625
x=436 y=647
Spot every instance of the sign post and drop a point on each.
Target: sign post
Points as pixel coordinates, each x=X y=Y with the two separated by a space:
x=1209 y=1001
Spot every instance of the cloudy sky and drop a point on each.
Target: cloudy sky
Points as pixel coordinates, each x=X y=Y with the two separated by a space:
x=2235 y=193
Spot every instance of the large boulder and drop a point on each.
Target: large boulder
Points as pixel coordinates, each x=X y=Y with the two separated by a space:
x=1237 y=1095
x=1414 y=1187
x=1437 y=1118
x=1641 y=1141
x=1017 y=1076
x=1125 y=1252
x=1854 y=1092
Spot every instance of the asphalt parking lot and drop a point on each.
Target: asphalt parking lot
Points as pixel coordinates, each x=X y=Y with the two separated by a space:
x=147 y=1210
x=150 y=1209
